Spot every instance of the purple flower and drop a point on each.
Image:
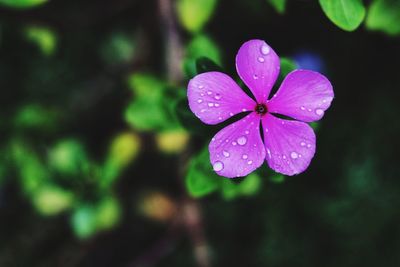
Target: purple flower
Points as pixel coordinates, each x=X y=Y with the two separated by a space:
x=238 y=149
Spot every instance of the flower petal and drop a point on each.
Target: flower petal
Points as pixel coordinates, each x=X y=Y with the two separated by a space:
x=215 y=97
x=290 y=145
x=237 y=150
x=258 y=66
x=303 y=95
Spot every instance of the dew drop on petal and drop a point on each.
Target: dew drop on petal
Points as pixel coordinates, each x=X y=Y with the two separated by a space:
x=203 y=110
x=309 y=109
x=216 y=104
x=213 y=139
x=230 y=114
x=218 y=166
x=234 y=143
x=244 y=109
x=255 y=76
x=302 y=108
x=319 y=111
x=210 y=104
x=244 y=156
x=261 y=59
x=302 y=144
x=250 y=162
x=246 y=132
x=265 y=50
x=220 y=118
x=269 y=153
x=242 y=140
x=199 y=101
x=308 y=145
x=209 y=93
x=294 y=155
x=226 y=154
x=201 y=86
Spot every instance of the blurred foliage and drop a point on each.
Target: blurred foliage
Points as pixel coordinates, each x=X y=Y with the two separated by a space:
x=194 y=14
x=384 y=15
x=22 y=3
x=44 y=38
x=279 y=5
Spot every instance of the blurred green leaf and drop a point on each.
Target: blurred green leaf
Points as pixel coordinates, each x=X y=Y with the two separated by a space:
x=36 y=117
x=51 y=200
x=201 y=180
x=279 y=5
x=118 y=48
x=384 y=15
x=205 y=64
x=346 y=14
x=315 y=125
x=83 y=221
x=68 y=157
x=43 y=37
x=32 y=171
x=194 y=14
x=22 y=3
x=250 y=185
x=123 y=150
x=88 y=219
x=277 y=178
x=200 y=46
x=287 y=66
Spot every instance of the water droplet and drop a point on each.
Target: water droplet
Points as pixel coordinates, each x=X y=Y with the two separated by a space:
x=199 y=101
x=261 y=59
x=294 y=155
x=226 y=154
x=242 y=140
x=216 y=104
x=308 y=145
x=210 y=104
x=203 y=110
x=283 y=122
x=217 y=96
x=269 y=153
x=299 y=155
x=209 y=93
x=266 y=130
x=244 y=156
x=302 y=144
x=230 y=114
x=309 y=109
x=319 y=111
x=218 y=166
x=213 y=139
x=202 y=94
x=220 y=118
x=250 y=162
x=227 y=140
x=201 y=86
x=255 y=77
x=302 y=108
x=234 y=143
x=246 y=132
x=284 y=157
x=265 y=49
x=244 y=109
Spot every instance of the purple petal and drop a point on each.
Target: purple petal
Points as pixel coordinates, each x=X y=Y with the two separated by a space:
x=303 y=95
x=290 y=145
x=215 y=97
x=258 y=66
x=237 y=150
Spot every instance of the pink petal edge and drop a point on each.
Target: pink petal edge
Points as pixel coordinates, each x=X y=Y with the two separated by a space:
x=214 y=97
x=290 y=145
x=237 y=149
x=258 y=66
x=304 y=95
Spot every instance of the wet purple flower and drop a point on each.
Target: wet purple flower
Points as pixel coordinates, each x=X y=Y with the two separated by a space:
x=288 y=145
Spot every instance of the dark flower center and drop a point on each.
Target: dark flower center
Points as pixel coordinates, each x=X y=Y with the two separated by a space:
x=261 y=109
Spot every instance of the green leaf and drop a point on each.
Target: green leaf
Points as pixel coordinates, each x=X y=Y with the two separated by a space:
x=384 y=15
x=51 y=200
x=287 y=66
x=119 y=48
x=83 y=221
x=279 y=5
x=250 y=185
x=36 y=117
x=199 y=47
x=44 y=38
x=201 y=180
x=68 y=157
x=22 y=3
x=277 y=178
x=194 y=14
x=346 y=14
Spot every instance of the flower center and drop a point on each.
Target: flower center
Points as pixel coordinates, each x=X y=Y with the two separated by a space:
x=261 y=109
